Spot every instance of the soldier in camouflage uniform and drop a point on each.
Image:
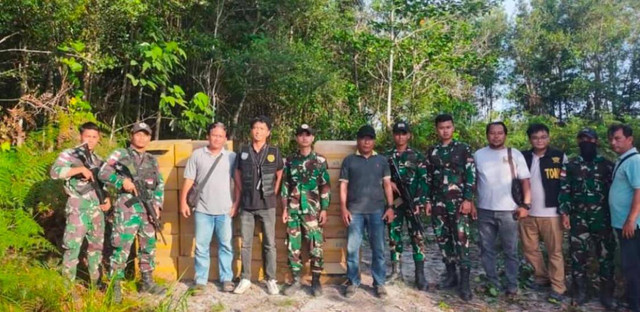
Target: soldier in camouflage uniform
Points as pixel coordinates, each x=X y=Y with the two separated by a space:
x=411 y=167
x=585 y=182
x=306 y=195
x=131 y=218
x=85 y=215
x=451 y=179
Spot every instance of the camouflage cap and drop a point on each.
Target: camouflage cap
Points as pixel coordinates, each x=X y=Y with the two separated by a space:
x=141 y=126
x=305 y=128
x=401 y=126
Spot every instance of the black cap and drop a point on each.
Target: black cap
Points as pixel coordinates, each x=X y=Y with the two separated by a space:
x=366 y=130
x=401 y=126
x=588 y=132
x=141 y=126
x=305 y=128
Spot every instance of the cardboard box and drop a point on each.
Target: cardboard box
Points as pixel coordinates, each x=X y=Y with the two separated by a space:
x=166 y=268
x=170 y=177
x=171 y=250
x=163 y=151
x=170 y=223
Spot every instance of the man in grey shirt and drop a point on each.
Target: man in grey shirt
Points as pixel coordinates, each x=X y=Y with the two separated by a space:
x=366 y=201
x=213 y=211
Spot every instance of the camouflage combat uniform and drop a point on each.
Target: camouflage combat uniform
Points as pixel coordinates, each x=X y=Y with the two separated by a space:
x=451 y=177
x=411 y=167
x=583 y=197
x=130 y=217
x=305 y=186
x=84 y=216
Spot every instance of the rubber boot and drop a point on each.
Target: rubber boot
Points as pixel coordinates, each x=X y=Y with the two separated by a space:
x=294 y=287
x=579 y=291
x=395 y=272
x=450 y=278
x=606 y=294
x=149 y=286
x=316 y=287
x=465 y=288
x=421 y=282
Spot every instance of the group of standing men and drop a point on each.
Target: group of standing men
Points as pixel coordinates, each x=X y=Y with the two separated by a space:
x=587 y=194
x=134 y=174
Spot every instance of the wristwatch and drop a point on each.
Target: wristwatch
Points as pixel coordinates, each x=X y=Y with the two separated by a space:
x=525 y=206
x=389 y=206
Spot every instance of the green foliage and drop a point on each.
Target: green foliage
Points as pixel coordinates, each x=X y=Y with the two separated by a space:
x=29 y=286
x=19 y=233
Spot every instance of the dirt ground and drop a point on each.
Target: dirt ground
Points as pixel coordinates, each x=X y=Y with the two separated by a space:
x=402 y=296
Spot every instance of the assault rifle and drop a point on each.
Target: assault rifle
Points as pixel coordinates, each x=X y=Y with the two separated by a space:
x=405 y=195
x=84 y=154
x=143 y=198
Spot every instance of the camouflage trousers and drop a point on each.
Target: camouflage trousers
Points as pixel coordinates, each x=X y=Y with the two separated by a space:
x=128 y=223
x=84 y=219
x=452 y=232
x=395 y=236
x=586 y=234
x=296 y=225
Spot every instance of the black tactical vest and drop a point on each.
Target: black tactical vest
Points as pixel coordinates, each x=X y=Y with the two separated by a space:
x=258 y=175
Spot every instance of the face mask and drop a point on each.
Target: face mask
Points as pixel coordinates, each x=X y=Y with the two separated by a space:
x=588 y=150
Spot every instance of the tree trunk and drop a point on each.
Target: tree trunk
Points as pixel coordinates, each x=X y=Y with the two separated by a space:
x=390 y=79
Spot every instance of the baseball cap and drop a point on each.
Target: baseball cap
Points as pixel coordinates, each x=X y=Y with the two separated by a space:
x=366 y=130
x=305 y=128
x=588 y=132
x=401 y=126
x=141 y=126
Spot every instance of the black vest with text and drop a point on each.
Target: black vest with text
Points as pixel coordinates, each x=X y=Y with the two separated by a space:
x=550 y=169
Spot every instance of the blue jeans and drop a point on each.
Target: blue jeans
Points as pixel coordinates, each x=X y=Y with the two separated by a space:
x=492 y=224
x=375 y=228
x=205 y=226
x=629 y=255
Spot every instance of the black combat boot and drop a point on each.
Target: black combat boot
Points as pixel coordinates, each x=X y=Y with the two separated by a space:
x=149 y=286
x=465 y=288
x=579 y=291
x=294 y=287
x=421 y=282
x=450 y=278
x=316 y=287
x=606 y=293
x=395 y=272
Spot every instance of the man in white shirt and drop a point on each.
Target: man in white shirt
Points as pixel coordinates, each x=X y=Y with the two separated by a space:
x=497 y=211
x=545 y=165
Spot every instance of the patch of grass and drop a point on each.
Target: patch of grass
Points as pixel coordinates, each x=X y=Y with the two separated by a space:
x=218 y=307
x=444 y=306
x=286 y=303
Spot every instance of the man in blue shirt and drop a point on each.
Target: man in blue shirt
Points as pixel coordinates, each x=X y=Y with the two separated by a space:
x=624 y=202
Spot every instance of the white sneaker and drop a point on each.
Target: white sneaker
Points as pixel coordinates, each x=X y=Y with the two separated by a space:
x=242 y=286
x=272 y=287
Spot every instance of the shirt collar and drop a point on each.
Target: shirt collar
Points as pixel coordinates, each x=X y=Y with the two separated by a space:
x=206 y=150
x=632 y=150
x=453 y=141
x=298 y=155
x=374 y=153
x=394 y=150
x=597 y=159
